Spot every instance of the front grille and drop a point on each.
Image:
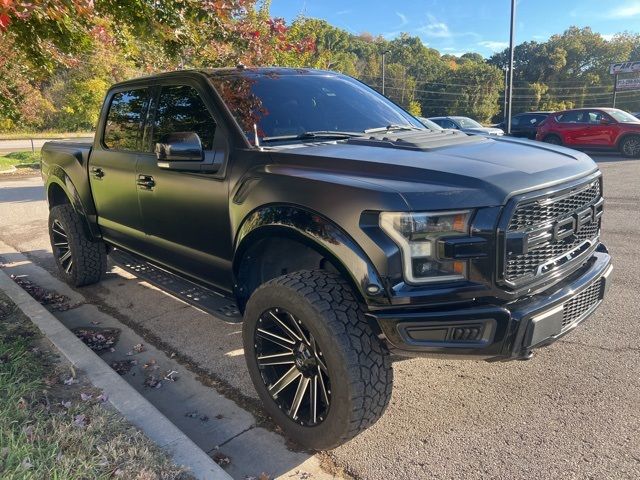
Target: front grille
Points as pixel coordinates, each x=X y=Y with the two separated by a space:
x=539 y=212
x=532 y=216
x=574 y=309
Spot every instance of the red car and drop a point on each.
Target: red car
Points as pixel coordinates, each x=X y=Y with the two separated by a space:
x=593 y=128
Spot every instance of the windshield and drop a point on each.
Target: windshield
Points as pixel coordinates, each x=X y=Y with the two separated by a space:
x=466 y=122
x=622 y=116
x=277 y=105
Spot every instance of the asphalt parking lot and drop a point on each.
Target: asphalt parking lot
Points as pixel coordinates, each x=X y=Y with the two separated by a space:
x=573 y=411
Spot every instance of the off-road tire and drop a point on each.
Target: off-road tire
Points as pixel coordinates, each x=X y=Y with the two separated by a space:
x=89 y=258
x=630 y=146
x=359 y=365
x=552 y=139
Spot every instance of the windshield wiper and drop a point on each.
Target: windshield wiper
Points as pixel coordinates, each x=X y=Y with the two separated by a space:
x=391 y=127
x=311 y=135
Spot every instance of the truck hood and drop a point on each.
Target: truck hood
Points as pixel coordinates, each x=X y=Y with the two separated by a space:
x=441 y=170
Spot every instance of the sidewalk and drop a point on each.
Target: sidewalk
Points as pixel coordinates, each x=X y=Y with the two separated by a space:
x=215 y=424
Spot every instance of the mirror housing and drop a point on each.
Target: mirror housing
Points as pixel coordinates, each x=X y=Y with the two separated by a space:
x=182 y=151
x=180 y=147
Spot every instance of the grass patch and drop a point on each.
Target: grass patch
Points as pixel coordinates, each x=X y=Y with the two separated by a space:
x=55 y=425
x=47 y=134
x=20 y=160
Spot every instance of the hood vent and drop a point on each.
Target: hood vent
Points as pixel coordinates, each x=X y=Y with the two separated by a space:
x=424 y=140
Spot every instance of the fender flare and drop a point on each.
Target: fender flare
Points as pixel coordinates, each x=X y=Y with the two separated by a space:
x=57 y=176
x=318 y=233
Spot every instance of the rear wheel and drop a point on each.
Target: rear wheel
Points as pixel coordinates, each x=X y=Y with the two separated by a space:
x=553 y=140
x=79 y=260
x=630 y=146
x=315 y=362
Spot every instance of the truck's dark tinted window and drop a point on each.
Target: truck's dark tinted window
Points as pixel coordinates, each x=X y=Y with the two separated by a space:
x=123 y=129
x=180 y=109
x=295 y=103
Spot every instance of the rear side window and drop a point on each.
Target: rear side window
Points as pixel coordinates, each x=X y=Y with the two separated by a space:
x=180 y=109
x=123 y=129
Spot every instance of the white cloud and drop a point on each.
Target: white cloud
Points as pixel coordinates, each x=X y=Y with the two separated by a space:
x=493 y=45
x=403 y=19
x=608 y=36
x=628 y=10
x=435 y=28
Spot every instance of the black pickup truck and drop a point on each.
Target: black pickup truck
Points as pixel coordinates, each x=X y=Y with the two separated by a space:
x=343 y=229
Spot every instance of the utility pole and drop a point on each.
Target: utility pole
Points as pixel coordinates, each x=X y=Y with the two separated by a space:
x=506 y=82
x=384 y=54
x=511 y=48
x=615 y=89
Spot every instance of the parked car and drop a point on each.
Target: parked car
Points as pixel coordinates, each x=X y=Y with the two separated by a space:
x=466 y=125
x=429 y=124
x=525 y=124
x=342 y=229
x=593 y=128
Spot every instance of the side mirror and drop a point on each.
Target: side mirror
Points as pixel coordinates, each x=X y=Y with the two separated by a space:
x=182 y=151
x=180 y=147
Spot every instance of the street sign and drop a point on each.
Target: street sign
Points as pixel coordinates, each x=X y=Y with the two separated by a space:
x=624 y=67
x=628 y=84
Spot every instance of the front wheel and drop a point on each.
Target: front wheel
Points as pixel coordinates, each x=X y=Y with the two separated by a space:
x=630 y=146
x=317 y=365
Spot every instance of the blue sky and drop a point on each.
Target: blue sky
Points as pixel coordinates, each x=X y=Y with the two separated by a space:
x=459 y=26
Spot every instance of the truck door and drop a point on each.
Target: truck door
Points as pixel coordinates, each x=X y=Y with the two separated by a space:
x=186 y=214
x=112 y=166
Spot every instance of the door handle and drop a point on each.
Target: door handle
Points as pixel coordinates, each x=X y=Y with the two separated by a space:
x=97 y=172
x=146 y=182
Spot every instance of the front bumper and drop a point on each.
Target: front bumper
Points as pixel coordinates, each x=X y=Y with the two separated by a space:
x=499 y=332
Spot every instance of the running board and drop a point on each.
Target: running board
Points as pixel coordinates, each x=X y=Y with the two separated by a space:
x=200 y=297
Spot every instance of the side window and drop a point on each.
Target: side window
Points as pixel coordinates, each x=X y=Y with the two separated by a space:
x=515 y=121
x=446 y=123
x=123 y=128
x=570 y=117
x=595 y=117
x=180 y=109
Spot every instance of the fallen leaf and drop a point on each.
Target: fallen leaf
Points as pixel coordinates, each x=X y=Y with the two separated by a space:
x=139 y=348
x=122 y=367
x=150 y=365
x=29 y=432
x=85 y=397
x=80 y=420
x=221 y=459
x=22 y=403
x=70 y=381
x=66 y=405
x=152 y=382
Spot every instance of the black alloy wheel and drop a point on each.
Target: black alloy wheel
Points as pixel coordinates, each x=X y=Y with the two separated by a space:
x=61 y=247
x=320 y=370
x=292 y=367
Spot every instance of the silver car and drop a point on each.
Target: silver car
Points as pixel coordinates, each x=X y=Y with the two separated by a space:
x=466 y=125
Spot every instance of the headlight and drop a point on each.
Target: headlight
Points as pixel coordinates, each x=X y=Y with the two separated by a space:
x=417 y=234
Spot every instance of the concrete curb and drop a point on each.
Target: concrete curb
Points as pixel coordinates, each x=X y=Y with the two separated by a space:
x=133 y=406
